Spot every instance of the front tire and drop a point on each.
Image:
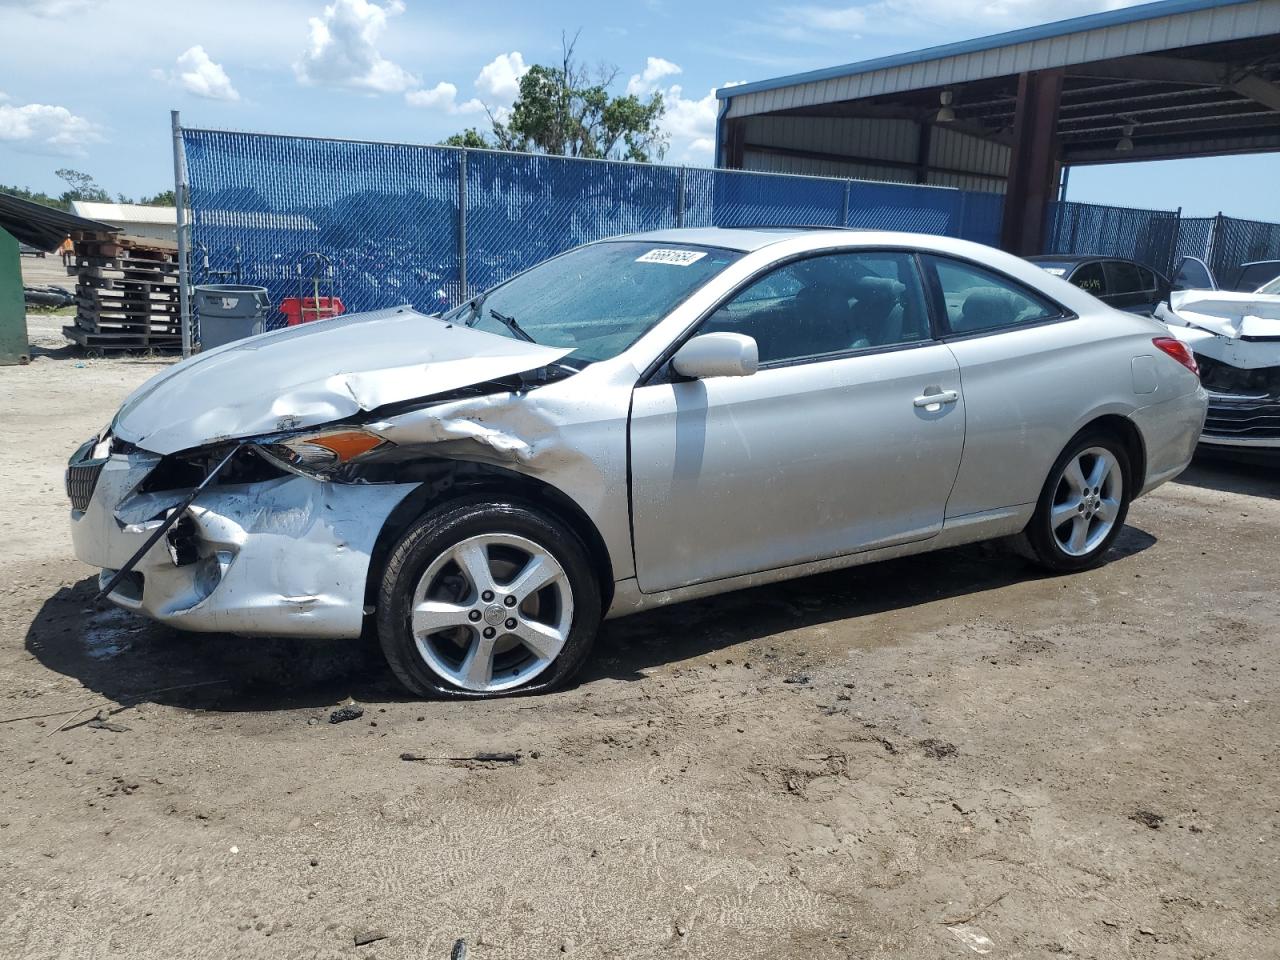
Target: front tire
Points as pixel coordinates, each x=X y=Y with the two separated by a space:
x=1083 y=504
x=483 y=599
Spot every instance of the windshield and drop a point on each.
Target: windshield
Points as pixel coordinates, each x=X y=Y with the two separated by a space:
x=596 y=300
x=1272 y=287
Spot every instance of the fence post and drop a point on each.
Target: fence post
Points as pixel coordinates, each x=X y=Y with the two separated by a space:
x=844 y=206
x=180 y=201
x=1215 y=237
x=680 y=199
x=963 y=216
x=462 y=223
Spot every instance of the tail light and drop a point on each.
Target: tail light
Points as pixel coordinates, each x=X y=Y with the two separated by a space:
x=1179 y=351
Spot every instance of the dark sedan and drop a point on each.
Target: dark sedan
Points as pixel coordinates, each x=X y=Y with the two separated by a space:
x=1123 y=284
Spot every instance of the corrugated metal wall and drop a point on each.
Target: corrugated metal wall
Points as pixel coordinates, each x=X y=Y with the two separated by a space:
x=1144 y=36
x=972 y=163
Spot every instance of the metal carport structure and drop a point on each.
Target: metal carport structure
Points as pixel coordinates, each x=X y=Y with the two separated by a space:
x=1006 y=113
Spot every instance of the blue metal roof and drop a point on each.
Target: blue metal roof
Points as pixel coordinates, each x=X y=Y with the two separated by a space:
x=1044 y=31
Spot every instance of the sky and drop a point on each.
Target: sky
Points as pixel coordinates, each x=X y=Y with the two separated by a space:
x=89 y=83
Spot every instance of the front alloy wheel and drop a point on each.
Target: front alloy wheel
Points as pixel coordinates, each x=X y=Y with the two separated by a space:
x=484 y=598
x=492 y=612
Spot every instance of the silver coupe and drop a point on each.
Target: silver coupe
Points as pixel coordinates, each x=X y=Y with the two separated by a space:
x=635 y=422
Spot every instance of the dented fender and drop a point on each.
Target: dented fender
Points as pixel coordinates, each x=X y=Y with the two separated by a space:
x=576 y=445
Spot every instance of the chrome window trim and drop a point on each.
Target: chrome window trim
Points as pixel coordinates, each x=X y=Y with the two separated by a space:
x=654 y=373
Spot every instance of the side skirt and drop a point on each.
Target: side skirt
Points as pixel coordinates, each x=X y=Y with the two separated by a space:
x=971 y=528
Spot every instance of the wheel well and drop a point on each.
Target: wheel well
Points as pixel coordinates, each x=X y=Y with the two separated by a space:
x=1124 y=430
x=445 y=481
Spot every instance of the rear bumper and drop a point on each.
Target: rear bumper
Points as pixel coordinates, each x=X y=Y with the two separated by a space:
x=284 y=557
x=1170 y=431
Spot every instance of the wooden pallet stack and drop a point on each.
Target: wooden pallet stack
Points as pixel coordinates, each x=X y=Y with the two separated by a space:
x=126 y=293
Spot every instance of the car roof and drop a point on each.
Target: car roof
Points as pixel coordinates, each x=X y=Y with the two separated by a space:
x=745 y=239
x=1079 y=258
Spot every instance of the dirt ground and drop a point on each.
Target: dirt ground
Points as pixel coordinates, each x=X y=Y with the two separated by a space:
x=926 y=758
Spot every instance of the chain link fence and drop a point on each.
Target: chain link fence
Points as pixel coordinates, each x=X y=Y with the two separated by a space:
x=1236 y=242
x=429 y=226
x=1148 y=236
x=381 y=224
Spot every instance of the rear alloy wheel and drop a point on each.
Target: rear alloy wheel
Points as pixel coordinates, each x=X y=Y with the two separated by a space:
x=1083 y=505
x=485 y=599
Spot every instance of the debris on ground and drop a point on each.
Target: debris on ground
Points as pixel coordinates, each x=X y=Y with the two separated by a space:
x=800 y=678
x=1147 y=818
x=975 y=938
x=365 y=937
x=459 y=951
x=938 y=749
x=107 y=725
x=350 y=712
x=482 y=757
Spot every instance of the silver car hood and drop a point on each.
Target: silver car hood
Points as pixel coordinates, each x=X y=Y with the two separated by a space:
x=316 y=373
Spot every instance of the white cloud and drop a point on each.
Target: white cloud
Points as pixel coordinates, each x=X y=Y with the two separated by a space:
x=689 y=122
x=49 y=9
x=443 y=96
x=46 y=129
x=198 y=74
x=499 y=79
x=655 y=68
x=817 y=22
x=342 y=48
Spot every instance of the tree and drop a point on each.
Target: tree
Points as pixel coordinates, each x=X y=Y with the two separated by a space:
x=568 y=110
x=164 y=198
x=82 y=186
x=36 y=196
x=470 y=137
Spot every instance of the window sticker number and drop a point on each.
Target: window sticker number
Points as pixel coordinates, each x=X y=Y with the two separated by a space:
x=672 y=258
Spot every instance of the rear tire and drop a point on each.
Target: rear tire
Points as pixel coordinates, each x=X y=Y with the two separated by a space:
x=487 y=598
x=1082 y=506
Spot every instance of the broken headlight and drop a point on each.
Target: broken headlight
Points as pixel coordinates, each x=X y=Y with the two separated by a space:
x=319 y=455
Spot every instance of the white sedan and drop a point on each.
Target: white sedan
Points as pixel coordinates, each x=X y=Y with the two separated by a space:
x=1236 y=341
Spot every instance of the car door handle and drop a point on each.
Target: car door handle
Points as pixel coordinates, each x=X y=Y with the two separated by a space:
x=935 y=399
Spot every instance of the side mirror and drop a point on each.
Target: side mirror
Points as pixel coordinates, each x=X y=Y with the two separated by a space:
x=717 y=355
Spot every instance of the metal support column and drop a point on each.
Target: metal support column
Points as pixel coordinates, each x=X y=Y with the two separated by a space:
x=680 y=199
x=180 y=201
x=924 y=139
x=844 y=203
x=1031 y=166
x=462 y=224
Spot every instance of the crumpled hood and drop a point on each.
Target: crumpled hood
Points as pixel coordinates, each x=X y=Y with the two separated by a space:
x=1227 y=314
x=316 y=373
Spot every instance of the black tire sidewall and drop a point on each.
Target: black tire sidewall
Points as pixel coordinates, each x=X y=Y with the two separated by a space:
x=437 y=531
x=1040 y=532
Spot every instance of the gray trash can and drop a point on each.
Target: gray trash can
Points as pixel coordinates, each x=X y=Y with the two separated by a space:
x=229 y=311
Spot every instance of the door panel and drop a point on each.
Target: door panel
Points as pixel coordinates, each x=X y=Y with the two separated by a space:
x=734 y=475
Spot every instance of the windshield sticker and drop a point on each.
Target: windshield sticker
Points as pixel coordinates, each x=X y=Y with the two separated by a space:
x=672 y=258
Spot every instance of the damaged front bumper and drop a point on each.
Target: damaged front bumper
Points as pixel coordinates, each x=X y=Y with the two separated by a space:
x=288 y=556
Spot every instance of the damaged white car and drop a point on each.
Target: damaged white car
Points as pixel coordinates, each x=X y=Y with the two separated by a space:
x=1236 y=341
x=635 y=422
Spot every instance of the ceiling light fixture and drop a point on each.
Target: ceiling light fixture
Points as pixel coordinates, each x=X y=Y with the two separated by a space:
x=1125 y=143
x=945 y=114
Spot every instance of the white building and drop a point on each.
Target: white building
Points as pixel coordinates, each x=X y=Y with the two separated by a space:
x=158 y=223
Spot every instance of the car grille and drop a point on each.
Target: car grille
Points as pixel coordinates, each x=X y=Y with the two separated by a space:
x=81 y=479
x=1243 y=418
x=82 y=475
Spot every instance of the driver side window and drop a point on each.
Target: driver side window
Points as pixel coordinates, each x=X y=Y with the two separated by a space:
x=828 y=305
